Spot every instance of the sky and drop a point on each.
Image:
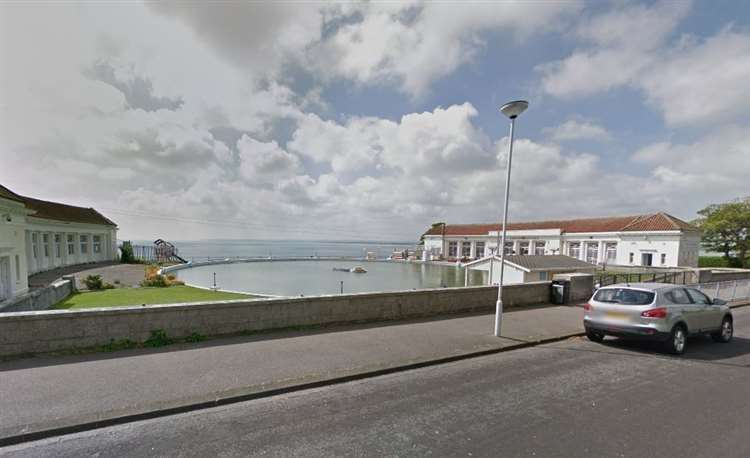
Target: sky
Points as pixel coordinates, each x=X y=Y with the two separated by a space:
x=370 y=121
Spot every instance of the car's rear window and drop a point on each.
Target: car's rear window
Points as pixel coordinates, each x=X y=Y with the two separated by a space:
x=624 y=296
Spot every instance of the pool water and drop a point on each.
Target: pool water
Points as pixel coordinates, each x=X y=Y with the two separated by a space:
x=312 y=277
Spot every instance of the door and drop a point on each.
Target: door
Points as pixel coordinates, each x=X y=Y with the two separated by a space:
x=4 y=278
x=708 y=315
x=647 y=259
x=691 y=312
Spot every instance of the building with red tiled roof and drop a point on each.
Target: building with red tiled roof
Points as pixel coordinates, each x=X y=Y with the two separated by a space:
x=38 y=235
x=656 y=239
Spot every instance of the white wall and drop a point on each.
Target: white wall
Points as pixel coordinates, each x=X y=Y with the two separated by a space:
x=680 y=249
x=12 y=247
x=84 y=246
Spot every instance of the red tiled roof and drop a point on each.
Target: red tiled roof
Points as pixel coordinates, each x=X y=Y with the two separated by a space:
x=652 y=222
x=56 y=211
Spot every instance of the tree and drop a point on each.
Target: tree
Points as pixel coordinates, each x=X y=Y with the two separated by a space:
x=726 y=229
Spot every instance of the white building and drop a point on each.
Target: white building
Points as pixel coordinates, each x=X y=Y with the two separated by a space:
x=37 y=235
x=524 y=269
x=657 y=239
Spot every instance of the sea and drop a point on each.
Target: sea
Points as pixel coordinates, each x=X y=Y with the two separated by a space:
x=197 y=250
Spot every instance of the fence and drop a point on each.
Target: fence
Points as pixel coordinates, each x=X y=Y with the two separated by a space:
x=680 y=278
x=733 y=290
x=156 y=253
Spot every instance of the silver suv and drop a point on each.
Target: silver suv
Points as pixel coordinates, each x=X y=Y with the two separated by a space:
x=656 y=311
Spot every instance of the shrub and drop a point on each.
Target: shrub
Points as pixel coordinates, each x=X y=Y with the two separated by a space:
x=718 y=261
x=126 y=253
x=158 y=281
x=158 y=339
x=107 y=285
x=93 y=282
x=195 y=337
x=154 y=278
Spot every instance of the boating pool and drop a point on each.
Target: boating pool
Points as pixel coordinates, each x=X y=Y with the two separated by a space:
x=313 y=277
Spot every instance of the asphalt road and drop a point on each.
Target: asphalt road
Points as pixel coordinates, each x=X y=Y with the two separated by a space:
x=573 y=398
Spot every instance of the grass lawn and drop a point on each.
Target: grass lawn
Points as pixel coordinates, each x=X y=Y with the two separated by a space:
x=148 y=296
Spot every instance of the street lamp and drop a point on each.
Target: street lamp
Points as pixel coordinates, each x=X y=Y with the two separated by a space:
x=511 y=110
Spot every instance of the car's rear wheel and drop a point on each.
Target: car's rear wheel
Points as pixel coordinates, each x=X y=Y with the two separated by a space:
x=677 y=340
x=595 y=336
x=726 y=331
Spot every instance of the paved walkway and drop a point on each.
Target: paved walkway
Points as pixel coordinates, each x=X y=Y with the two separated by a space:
x=52 y=392
x=127 y=274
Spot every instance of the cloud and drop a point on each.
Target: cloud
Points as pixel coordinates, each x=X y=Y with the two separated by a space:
x=412 y=44
x=622 y=45
x=573 y=129
x=138 y=91
x=265 y=162
x=443 y=141
x=689 y=81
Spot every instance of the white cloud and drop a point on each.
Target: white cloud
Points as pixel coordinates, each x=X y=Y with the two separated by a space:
x=412 y=44
x=574 y=129
x=622 y=45
x=690 y=80
x=265 y=162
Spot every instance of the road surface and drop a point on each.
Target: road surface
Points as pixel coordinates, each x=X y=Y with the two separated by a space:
x=572 y=398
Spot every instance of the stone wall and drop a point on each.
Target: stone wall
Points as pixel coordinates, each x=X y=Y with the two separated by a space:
x=54 y=330
x=40 y=299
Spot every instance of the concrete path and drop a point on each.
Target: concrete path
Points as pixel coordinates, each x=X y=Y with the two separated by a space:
x=44 y=393
x=127 y=274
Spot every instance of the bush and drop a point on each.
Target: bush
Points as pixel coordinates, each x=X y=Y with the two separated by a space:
x=126 y=253
x=155 y=279
x=158 y=339
x=718 y=261
x=94 y=282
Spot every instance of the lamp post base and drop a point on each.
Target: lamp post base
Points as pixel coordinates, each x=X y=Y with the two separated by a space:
x=498 y=317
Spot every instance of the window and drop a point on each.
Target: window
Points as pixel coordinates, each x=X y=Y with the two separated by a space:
x=508 y=248
x=84 y=239
x=539 y=248
x=71 y=245
x=34 y=243
x=45 y=245
x=523 y=247
x=58 y=247
x=18 y=268
x=624 y=296
x=574 y=249
x=97 y=239
x=465 y=249
x=611 y=249
x=452 y=249
x=631 y=258
x=479 y=250
x=698 y=297
x=678 y=296
x=663 y=258
x=542 y=276
x=592 y=252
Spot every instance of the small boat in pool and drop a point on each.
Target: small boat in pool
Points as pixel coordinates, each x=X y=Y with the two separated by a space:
x=356 y=270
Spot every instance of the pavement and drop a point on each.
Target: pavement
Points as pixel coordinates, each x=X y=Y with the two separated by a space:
x=126 y=274
x=55 y=395
x=568 y=398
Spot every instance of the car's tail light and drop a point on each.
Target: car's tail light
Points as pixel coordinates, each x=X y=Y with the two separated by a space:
x=587 y=307
x=661 y=312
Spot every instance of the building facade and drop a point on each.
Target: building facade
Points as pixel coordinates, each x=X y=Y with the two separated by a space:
x=38 y=235
x=658 y=240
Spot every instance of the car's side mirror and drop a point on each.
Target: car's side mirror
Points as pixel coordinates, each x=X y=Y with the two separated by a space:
x=718 y=301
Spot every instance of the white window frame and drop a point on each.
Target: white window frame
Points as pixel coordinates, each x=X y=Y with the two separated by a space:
x=574 y=249
x=479 y=249
x=610 y=248
x=521 y=247
x=34 y=245
x=96 y=240
x=70 y=240
x=58 y=242
x=83 y=241
x=592 y=247
x=539 y=245
x=45 y=245
x=452 y=249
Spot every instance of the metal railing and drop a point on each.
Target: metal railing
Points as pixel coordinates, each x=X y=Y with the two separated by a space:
x=642 y=277
x=733 y=290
